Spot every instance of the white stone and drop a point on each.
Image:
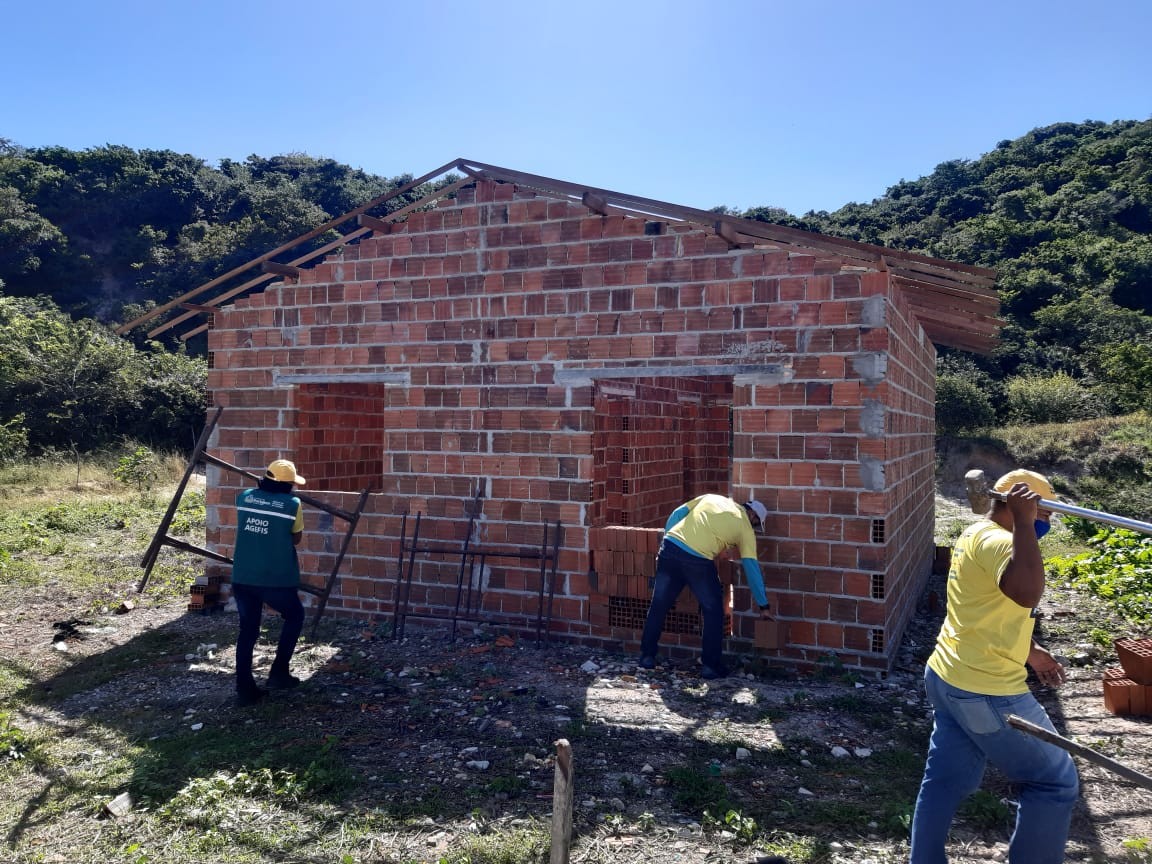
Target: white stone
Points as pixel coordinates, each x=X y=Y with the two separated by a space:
x=862 y=752
x=196 y=727
x=742 y=753
x=647 y=769
x=478 y=764
x=804 y=792
x=839 y=752
x=589 y=667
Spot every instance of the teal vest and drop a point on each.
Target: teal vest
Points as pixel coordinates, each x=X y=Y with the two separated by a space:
x=264 y=553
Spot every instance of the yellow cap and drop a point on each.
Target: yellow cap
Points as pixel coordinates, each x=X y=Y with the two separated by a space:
x=1038 y=483
x=283 y=471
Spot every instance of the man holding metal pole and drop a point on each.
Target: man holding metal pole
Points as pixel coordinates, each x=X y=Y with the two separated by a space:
x=976 y=678
x=269 y=526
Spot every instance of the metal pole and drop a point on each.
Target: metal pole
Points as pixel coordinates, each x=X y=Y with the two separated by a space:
x=1085 y=513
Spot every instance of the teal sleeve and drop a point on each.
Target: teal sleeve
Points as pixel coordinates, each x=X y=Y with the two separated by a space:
x=755 y=580
x=676 y=518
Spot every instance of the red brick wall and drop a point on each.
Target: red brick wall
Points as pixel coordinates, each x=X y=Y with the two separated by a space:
x=499 y=318
x=657 y=443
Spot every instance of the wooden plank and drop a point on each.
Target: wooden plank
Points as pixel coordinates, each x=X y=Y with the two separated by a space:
x=196 y=307
x=303 y=238
x=934 y=296
x=366 y=221
x=595 y=203
x=281 y=269
x=562 y=794
x=731 y=236
x=1080 y=750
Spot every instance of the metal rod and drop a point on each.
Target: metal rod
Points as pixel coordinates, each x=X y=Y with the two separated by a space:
x=399 y=574
x=1085 y=513
x=303 y=496
x=161 y=532
x=1080 y=750
x=331 y=583
x=408 y=582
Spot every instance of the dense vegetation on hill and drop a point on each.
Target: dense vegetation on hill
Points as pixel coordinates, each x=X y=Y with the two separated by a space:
x=1064 y=213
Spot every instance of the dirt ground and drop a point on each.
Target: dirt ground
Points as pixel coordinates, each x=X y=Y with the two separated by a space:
x=447 y=735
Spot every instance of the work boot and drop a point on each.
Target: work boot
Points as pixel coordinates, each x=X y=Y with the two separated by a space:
x=282 y=682
x=709 y=673
x=647 y=662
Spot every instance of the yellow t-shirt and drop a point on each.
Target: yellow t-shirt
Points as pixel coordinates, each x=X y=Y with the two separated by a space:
x=714 y=523
x=986 y=636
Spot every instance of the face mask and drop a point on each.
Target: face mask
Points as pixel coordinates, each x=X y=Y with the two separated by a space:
x=1041 y=528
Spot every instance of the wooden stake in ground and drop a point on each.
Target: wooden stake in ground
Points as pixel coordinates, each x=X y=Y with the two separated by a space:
x=562 y=803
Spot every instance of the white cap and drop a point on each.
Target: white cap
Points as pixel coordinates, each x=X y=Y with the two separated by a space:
x=760 y=510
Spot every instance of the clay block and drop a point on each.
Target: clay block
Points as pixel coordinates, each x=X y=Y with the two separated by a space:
x=771 y=635
x=1136 y=658
x=1117 y=692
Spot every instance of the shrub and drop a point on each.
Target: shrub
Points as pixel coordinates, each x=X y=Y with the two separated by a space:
x=1057 y=398
x=138 y=468
x=961 y=406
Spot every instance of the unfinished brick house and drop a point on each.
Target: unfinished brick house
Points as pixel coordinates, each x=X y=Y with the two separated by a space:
x=529 y=352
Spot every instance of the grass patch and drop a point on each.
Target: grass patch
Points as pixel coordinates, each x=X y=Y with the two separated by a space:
x=517 y=846
x=986 y=811
x=695 y=790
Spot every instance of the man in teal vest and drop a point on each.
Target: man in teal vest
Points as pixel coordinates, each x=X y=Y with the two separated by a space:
x=269 y=525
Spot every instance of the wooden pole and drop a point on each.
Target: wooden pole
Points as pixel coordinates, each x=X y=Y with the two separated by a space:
x=562 y=804
x=1072 y=747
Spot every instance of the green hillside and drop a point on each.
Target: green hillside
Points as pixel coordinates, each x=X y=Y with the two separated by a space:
x=1064 y=213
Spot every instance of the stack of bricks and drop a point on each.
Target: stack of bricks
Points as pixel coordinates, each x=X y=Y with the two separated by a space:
x=1128 y=690
x=204 y=595
x=624 y=560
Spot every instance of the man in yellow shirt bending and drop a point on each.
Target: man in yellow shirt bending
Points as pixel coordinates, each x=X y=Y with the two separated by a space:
x=694 y=535
x=976 y=678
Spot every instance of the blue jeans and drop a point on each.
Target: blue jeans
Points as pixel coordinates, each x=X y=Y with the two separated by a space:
x=969 y=731
x=250 y=600
x=676 y=568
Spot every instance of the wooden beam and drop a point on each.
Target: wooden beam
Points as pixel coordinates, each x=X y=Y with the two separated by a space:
x=184 y=337
x=196 y=307
x=281 y=269
x=563 y=793
x=731 y=236
x=595 y=203
x=378 y=225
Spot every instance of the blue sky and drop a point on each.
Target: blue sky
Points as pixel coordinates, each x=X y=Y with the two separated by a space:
x=802 y=105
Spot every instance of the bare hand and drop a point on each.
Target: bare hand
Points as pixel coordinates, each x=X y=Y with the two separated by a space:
x=1022 y=502
x=1046 y=667
x=766 y=614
